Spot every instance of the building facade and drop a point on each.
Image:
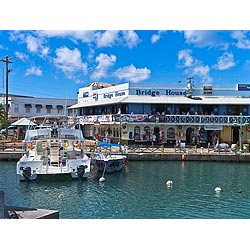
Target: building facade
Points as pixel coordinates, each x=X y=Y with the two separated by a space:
x=28 y=106
x=136 y=113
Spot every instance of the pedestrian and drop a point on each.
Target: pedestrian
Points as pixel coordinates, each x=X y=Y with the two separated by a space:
x=153 y=139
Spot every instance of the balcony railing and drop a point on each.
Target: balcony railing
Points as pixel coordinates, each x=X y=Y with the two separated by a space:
x=229 y=120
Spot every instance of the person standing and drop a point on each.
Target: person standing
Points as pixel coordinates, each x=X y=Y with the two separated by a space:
x=153 y=139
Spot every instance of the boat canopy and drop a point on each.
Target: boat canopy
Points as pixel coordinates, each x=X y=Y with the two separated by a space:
x=105 y=144
x=45 y=133
x=67 y=133
x=36 y=134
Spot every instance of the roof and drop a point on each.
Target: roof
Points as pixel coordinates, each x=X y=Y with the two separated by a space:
x=99 y=102
x=185 y=100
x=212 y=100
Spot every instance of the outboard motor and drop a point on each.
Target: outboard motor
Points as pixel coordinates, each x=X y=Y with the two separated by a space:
x=80 y=171
x=27 y=173
x=12 y=214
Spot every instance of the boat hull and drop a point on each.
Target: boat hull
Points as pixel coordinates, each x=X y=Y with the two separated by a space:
x=112 y=164
x=31 y=170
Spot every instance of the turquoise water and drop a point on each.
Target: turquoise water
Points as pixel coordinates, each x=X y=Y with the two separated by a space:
x=140 y=192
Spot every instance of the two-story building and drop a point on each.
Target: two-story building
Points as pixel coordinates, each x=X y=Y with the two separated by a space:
x=29 y=106
x=187 y=112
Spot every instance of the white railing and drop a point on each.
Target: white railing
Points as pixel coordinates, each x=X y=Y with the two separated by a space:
x=167 y=119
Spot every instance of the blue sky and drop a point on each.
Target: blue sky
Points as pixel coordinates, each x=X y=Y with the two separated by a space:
x=56 y=63
x=59 y=49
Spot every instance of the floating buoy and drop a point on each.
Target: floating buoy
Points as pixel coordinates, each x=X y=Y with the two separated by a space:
x=240 y=191
x=169 y=183
x=218 y=189
x=102 y=179
x=183 y=158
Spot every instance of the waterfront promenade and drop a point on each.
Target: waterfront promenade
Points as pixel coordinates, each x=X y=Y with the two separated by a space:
x=13 y=151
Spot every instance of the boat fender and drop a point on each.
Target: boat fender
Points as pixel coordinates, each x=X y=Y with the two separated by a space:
x=169 y=183
x=78 y=145
x=218 y=189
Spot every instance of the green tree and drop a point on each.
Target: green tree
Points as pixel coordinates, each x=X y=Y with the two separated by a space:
x=2 y=115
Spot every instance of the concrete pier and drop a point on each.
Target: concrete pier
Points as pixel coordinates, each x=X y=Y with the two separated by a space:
x=14 y=212
x=11 y=155
x=29 y=213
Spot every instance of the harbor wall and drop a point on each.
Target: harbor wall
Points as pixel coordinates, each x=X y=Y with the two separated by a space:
x=188 y=157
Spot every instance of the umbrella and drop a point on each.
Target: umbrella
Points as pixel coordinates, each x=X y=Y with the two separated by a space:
x=23 y=122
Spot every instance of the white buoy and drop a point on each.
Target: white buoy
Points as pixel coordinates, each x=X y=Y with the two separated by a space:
x=218 y=189
x=169 y=183
x=102 y=179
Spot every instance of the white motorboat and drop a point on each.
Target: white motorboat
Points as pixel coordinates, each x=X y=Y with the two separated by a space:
x=56 y=152
x=106 y=161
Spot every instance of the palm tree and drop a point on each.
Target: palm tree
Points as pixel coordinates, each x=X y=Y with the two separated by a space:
x=2 y=115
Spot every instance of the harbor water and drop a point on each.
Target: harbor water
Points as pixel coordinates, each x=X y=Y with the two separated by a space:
x=140 y=192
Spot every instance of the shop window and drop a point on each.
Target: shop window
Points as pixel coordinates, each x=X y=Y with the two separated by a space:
x=171 y=134
x=146 y=133
x=137 y=133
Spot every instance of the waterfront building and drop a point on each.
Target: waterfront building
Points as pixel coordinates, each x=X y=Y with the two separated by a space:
x=185 y=112
x=29 y=106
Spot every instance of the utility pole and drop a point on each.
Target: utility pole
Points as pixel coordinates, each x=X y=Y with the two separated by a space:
x=6 y=60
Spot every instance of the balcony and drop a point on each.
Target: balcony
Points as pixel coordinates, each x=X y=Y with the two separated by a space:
x=224 y=120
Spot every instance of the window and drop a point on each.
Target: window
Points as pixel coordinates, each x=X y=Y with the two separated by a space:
x=27 y=108
x=146 y=135
x=49 y=108
x=16 y=109
x=38 y=108
x=59 y=109
x=137 y=133
x=207 y=90
x=171 y=133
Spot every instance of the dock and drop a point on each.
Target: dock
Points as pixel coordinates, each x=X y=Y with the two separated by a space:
x=15 y=212
x=152 y=153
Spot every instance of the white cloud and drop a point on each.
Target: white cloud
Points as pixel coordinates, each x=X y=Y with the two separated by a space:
x=193 y=67
x=21 y=56
x=131 y=38
x=33 y=43
x=243 y=39
x=107 y=38
x=206 y=38
x=101 y=39
x=202 y=72
x=185 y=59
x=132 y=74
x=225 y=61
x=156 y=37
x=104 y=63
x=45 y=51
x=86 y=36
x=34 y=71
x=69 y=61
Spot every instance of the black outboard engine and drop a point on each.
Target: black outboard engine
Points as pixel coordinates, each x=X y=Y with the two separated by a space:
x=80 y=171
x=12 y=214
x=27 y=173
